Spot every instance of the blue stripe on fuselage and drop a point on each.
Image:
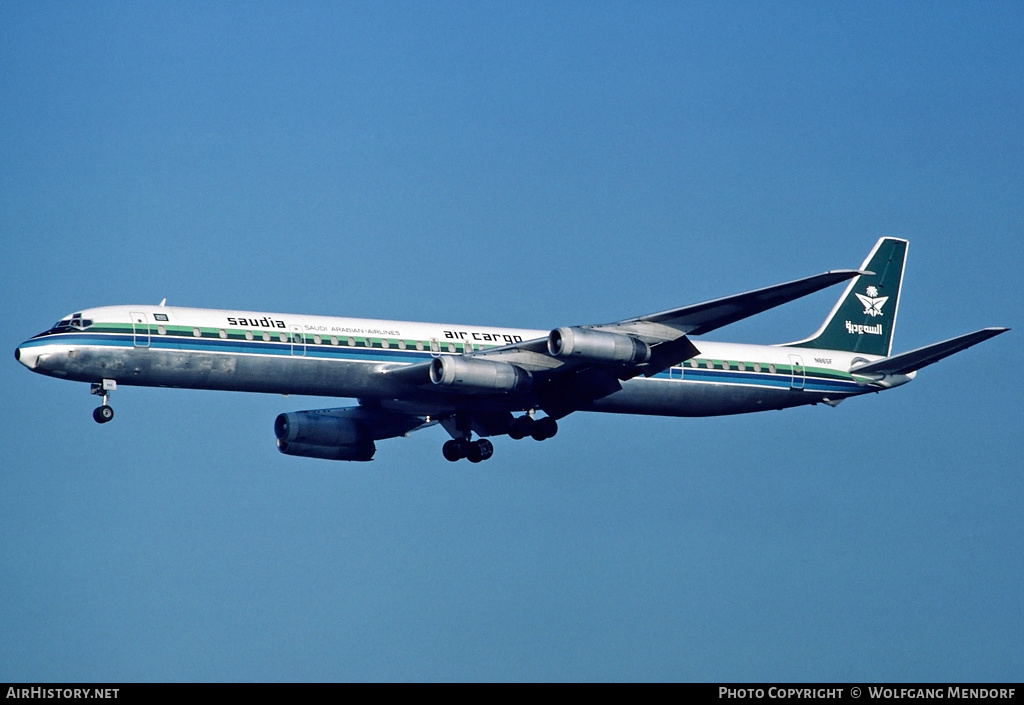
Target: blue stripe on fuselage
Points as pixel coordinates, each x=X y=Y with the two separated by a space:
x=354 y=354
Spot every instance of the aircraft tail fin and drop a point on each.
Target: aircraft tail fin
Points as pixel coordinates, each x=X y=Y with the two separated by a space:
x=864 y=318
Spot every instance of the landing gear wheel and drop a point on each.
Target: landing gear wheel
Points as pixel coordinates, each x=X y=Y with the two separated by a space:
x=103 y=414
x=479 y=451
x=521 y=428
x=101 y=389
x=452 y=451
x=544 y=429
x=474 y=451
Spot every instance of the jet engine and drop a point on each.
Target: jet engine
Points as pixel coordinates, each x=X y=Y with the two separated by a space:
x=316 y=434
x=476 y=375
x=597 y=346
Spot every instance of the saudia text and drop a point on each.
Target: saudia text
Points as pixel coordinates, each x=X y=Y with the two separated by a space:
x=859 y=328
x=256 y=322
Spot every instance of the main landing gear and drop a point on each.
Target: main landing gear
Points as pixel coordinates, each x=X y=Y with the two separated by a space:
x=476 y=451
x=473 y=451
x=105 y=412
x=537 y=429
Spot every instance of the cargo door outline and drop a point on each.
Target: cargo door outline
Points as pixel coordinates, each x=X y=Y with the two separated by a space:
x=799 y=374
x=140 y=329
x=298 y=341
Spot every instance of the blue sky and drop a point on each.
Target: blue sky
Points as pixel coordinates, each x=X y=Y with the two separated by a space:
x=530 y=165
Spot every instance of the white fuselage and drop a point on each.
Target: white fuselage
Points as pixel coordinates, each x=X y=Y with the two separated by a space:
x=343 y=357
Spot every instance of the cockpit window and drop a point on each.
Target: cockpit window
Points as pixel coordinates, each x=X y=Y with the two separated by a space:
x=74 y=323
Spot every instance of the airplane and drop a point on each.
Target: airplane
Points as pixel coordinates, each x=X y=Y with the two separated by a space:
x=491 y=381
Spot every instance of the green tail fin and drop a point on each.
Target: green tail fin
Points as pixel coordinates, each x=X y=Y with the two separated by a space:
x=864 y=318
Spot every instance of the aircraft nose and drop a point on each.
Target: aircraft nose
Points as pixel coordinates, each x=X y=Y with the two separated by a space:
x=26 y=358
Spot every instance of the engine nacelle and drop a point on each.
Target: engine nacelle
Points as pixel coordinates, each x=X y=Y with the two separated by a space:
x=597 y=346
x=321 y=435
x=475 y=375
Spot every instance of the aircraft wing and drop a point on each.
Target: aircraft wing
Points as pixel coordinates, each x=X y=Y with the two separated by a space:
x=660 y=329
x=697 y=319
x=564 y=382
x=907 y=362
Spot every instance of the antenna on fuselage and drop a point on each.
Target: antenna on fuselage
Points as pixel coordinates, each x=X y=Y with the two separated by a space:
x=163 y=301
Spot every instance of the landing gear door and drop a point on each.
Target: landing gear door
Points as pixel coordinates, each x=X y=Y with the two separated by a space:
x=799 y=374
x=140 y=329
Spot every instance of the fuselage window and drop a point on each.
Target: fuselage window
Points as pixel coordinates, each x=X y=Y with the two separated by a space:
x=283 y=337
x=223 y=333
x=401 y=345
x=709 y=364
x=385 y=344
x=693 y=362
x=771 y=367
x=317 y=339
x=352 y=341
x=741 y=366
x=161 y=330
x=197 y=333
x=248 y=335
x=266 y=337
x=419 y=345
x=451 y=347
x=757 y=367
x=334 y=340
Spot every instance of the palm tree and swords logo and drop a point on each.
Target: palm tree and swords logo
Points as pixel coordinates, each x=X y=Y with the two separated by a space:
x=872 y=302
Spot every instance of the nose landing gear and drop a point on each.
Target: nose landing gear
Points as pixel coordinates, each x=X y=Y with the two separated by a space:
x=104 y=413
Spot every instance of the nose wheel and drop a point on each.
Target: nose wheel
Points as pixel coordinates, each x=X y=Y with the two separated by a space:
x=105 y=412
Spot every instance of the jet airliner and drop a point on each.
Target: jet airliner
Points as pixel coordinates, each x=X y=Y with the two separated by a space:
x=488 y=381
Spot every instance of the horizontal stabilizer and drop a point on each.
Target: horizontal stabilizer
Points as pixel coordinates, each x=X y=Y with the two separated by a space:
x=907 y=362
